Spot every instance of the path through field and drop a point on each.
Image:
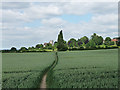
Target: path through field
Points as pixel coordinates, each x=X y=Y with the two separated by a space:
x=43 y=82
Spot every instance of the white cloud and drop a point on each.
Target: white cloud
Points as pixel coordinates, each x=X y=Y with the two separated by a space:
x=15 y=5
x=105 y=25
x=30 y=11
x=103 y=22
x=107 y=19
x=80 y=8
x=38 y=12
x=12 y=16
x=53 y=22
x=28 y=14
x=26 y=36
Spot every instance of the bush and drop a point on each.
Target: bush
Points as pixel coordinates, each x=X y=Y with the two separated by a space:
x=63 y=48
x=49 y=47
x=111 y=43
x=81 y=48
x=98 y=47
x=118 y=43
x=74 y=48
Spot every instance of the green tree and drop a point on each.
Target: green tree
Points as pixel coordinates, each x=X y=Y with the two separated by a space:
x=72 y=43
x=84 y=39
x=39 y=46
x=61 y=46
x=13 y=49
x=49 y=46
x=55 y=44
x=30 y=48
x=100 y=40
x=92 y=44
x=118 y=43
x=108 y=41
x=33 y=47
x=23 y=49
x=97 y=39
x=111 y=42
x=79 y=42
x=87 y=45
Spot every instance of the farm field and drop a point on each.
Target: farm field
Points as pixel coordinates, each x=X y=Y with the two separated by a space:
x=0 y=71
x=24 y=70
x=85 y=69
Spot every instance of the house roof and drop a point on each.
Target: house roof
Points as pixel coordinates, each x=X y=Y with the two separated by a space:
x=45 y=43
x=115 y=39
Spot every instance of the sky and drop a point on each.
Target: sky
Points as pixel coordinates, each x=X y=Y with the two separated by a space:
x=30 y=23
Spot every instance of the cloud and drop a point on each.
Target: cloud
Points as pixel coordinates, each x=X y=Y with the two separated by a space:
x=53 y=22
x=26 y=36
x=103 y=21
x=81 y=8
x=26 y=13
x=13 y=16
x=30 y=11
x=15 y=5
x=104 y=25
x=107 y=19
x=38 y=12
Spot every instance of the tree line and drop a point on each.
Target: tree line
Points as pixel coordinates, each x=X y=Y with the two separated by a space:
x=84 y=43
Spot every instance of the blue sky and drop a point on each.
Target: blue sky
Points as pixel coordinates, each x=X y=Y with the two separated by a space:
x=34 y=23
x=27 y=24
x=76 y=18
x=67 y=17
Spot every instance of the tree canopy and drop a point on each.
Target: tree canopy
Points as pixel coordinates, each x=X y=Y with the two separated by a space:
x=97 y=39
x=91 y=44
x=72 y=43
x=13 y=49
x=39 y=46
x=107 y=39
x=23 y=49
x=61 y=46
x=49 y=46
x=83 y=40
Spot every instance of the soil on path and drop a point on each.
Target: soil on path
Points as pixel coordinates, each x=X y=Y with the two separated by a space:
x=43 y=82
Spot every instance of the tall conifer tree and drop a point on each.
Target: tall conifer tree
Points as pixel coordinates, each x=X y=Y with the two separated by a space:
x=61 y=45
